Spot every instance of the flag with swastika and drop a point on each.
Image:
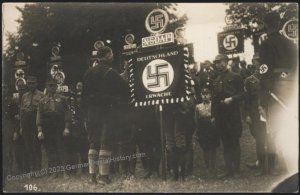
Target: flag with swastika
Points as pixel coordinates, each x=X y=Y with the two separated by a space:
x=160 y=76
x=231 y=42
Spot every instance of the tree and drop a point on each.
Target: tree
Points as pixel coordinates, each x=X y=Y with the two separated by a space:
x=76 y=26
x=249 y=16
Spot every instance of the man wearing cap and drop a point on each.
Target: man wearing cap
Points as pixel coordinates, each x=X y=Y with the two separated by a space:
x=53 y=121
x=227 y=92
x=255 y=116
x=28 y=109
x=279 y=79
x=103 y=89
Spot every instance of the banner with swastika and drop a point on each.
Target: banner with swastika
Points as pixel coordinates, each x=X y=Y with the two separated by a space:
x=231 y=42
x=160 y=76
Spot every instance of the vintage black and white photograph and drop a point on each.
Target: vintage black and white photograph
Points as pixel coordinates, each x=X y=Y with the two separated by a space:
x=158 y=97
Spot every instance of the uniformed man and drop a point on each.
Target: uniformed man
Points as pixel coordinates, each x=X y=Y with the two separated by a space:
x=254 y=117
x=279 y=78
x=227 y=92
x=29 y=104
x=77 y=143
x=103 y=87
x=53 y=122
x=15 y=138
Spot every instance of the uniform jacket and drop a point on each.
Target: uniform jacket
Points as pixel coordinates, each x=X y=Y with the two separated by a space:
x=227 y=84
x=56 y=105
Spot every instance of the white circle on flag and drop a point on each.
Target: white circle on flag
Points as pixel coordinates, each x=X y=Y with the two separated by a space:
x=158 y=75
x=263 y=69
x=230 y=42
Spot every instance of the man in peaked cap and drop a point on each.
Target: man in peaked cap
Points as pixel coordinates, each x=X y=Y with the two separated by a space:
x=28 y=109
x=53 y=121
x=227 y=92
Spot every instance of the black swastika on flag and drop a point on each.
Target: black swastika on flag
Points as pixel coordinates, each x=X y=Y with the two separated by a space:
x=156 y=22
x=230 y=42
x=158 y=75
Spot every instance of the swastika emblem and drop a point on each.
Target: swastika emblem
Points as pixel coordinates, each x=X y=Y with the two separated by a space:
x=262 y=38
x=158 y=75
x=230 y=42
x=156 y=21
x=263 y=69
x=290 y=29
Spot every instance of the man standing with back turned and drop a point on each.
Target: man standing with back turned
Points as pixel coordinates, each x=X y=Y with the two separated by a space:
x=103 y=88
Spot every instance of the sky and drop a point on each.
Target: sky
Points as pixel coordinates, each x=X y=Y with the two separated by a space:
x=205 y=21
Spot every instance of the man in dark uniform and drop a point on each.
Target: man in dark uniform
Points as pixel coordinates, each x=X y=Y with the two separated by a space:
x=53 y=121
x=77 y=146
x=254 y=117
x=29 y=104
x=279 y=77
x=103 y=87
x=15 y=139
x=227 y=92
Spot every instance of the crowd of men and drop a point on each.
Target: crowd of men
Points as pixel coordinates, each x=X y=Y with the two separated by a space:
x=103 y=123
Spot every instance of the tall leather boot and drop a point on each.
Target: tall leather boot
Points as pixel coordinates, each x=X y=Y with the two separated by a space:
x=236 y=158
x=261 y=165
x=271 y=164
x=189 y=161
x=175 y=164
x=182 y=162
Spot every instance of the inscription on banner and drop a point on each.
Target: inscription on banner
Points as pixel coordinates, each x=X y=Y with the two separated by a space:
x=158 y=40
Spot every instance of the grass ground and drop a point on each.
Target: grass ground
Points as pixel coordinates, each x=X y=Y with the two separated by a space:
x=245 y=182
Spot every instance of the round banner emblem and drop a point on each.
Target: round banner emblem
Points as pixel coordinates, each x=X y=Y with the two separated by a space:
x=19 y=74
x=55 y=51
x=263 y=69
x=59 y=77
x=158 y=75
x=20 y=56
x=229 y=19
x=54 y=69
x=230 y=42
x=98 y=44
x=129 y=39
x=290 y=29
x=19 y=82
x=157 y=21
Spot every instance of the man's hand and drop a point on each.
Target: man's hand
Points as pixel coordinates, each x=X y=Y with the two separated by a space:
x=228 y=100
x=16 y=136
x=213 y=120
x=66 y=132
x=248 y=120
x=41 y=135
x=21 y=131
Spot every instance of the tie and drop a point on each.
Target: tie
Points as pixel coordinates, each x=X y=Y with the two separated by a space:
x=52 y=104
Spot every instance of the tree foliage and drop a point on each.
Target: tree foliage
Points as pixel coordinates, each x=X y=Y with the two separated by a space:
x=249 y=16
x=76 y=26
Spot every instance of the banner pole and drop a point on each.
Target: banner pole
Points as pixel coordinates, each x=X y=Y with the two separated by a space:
x=163 y=160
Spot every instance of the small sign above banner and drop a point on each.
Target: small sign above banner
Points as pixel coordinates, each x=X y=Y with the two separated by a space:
x=158 y=40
